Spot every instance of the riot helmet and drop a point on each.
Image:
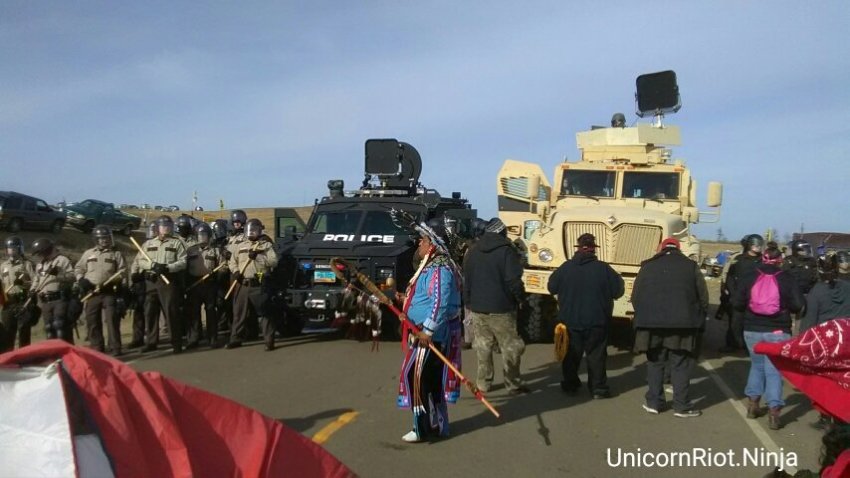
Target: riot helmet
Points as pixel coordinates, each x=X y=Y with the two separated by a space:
x=43 y=247
x=102 y=236
x=219 y=229
x=14 y=247
x=618 y=120
x=238 y=216
x=184 y=226
x=828 y=266
x=754 y=244
x=152 y=231
x=165 y=226
x=800 y=248
x=253 y=229
x=479 y=227
x=843 y=262
x=451 y=224
x=203 y=232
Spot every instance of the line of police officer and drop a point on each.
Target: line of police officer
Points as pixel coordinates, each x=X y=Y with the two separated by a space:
x=172 y=276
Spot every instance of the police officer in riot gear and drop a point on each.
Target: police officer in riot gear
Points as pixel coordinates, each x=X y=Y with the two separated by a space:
x=16 y=276
x=167 y=259
x=138 y=292
x=251 y=264
x=184 y=229
x=97 y=266
x=740 y=266
x=54 y=275
x=801 y=265
x=202 y=259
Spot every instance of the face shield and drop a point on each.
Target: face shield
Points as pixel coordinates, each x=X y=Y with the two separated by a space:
x=153 y=230
x=104 y=240
x=253 y=230
x=13 y=252
x=805 y=250
x=203 y=235
x=165 y=227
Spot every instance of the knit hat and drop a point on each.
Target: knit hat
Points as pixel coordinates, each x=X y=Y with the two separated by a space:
x=495 y=225
x=817 y=362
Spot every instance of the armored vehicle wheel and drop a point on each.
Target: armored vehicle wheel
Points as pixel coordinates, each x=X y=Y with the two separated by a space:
x=536 y=323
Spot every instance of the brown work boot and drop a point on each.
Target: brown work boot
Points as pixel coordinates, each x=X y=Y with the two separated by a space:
x=754 y=410
x=773 y=421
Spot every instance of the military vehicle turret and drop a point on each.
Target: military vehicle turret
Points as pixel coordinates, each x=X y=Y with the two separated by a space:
x=626 y=189
x=356 y=225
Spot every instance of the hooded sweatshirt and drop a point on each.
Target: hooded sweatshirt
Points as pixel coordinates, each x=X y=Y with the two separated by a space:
x=492 y=276
x=586 y=288
x=826 y=302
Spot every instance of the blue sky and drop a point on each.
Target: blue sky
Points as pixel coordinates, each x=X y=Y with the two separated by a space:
x=261 y=103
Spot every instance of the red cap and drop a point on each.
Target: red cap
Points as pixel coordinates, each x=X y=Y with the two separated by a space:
x=670 y=242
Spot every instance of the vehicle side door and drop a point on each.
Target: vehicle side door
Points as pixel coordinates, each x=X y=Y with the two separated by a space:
x=44 y=214
x=30 y=214
x=108 y=215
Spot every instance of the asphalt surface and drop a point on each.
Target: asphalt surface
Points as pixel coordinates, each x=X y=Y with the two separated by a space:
x=310 y=382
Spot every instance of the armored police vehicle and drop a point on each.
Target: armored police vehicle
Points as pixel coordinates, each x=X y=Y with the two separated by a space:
x=626 y=189
x=357 y=226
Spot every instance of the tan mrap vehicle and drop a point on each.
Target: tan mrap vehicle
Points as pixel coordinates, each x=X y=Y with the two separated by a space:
x=625 y=190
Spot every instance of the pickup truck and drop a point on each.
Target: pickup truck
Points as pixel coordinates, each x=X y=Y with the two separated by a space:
x=84 y=215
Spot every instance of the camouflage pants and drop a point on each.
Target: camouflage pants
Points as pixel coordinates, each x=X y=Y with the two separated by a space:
x=492 y=330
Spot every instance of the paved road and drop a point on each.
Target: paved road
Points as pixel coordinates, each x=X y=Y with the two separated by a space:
x=310 y=382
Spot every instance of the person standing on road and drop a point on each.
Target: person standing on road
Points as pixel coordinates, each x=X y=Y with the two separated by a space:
x=202 y=259
x=251 y=265
x=740 y=266
x=492 y=291
x=16 y=276
x=141 y=284
x=432 y=303
x=766 y=297
x=803 y=267
x=830 y=298
x=670 y=300
x=586 y=288
x=95 y=267
x=168 y=256
x=54 y=275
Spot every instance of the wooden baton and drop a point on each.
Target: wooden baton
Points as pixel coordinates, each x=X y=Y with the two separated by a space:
x=145 y=254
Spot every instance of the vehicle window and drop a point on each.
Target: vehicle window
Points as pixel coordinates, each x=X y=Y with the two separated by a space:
x=42 y=206
x=29 y=204
x=657 y=186
x=13 y=202
x=85 y=204
x=284 y=222
x=380 y=222
x=336 y=222
x=588 y=183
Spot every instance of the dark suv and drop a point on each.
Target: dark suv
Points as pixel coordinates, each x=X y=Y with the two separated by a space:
x=19 y=211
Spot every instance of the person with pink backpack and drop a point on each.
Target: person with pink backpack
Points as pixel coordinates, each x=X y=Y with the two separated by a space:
x=767 y=296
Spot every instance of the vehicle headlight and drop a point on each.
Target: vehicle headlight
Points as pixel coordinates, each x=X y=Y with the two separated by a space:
x=545 y=255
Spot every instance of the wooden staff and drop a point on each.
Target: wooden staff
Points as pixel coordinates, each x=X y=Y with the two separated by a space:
x=17 y=276
x=382 y=298
x=97 y=289
x=205 y=277
x=145 y=254
x=241 y=271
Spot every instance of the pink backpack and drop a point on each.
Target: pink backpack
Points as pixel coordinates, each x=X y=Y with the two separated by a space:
x=764 y=295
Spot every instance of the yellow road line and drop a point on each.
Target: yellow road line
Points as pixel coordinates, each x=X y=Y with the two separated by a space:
x=325 y=433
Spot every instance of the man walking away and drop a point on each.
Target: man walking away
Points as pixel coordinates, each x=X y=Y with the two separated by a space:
x=670 y=299
x=492 y=290
x=586 y=288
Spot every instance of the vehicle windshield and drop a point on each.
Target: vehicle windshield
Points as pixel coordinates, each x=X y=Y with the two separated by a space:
x=354 y=222
x=658 y=186
x=85 y=204
x=588 y=183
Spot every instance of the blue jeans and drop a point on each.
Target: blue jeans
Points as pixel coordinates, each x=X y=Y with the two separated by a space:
x=764 y=380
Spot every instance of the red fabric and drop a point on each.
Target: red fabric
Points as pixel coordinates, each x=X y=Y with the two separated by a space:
x=670 y=241
x=152 y=425
x=839 y=469
x=817 y=362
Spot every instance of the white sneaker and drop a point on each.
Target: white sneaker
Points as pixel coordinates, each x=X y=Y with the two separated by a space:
x=411 y=437
x=650 y=409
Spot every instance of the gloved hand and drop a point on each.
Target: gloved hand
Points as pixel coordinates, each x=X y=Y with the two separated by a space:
x=252 y=254
x=18 y=281
x=53 y=271
x=223 y=276
x=137 y=277
x=159 y=268
x=151 y=276
x=227 y=255
x=32 y=294
x=85 y=285
x=237 y=276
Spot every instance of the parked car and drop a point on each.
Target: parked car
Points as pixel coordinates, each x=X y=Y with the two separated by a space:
x=19 y=211
x=158 y=208
x=172 y=208
x=146 y=206
x=86 y=214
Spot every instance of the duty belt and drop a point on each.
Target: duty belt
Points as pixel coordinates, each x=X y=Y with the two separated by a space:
x=49 y=296
x=251 y=282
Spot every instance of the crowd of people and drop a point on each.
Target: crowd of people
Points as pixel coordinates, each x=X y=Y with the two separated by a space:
x=182 y=268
